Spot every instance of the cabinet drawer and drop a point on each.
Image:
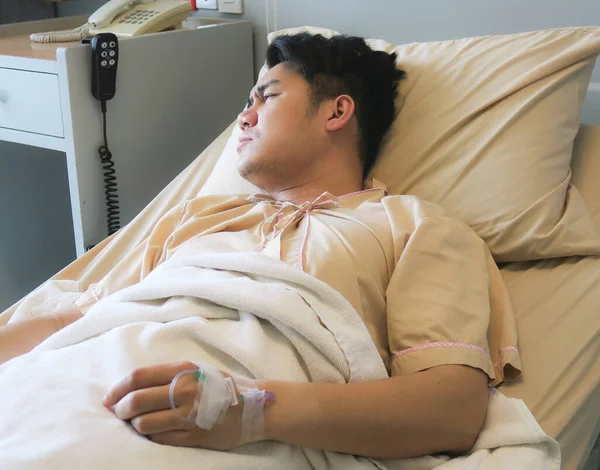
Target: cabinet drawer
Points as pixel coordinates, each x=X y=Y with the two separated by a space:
x=30 y=102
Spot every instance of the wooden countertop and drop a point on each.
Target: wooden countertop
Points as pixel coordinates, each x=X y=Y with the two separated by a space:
x=22 y=46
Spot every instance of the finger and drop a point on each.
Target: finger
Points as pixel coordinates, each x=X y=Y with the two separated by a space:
x=172 y=438
x=143 y=401
x=160 y=422
x=147 y=400
x=145 y=377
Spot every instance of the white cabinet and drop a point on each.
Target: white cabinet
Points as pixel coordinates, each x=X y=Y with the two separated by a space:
x=176 y=91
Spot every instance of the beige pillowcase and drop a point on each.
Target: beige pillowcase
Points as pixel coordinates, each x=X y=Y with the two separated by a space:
x=485 y=129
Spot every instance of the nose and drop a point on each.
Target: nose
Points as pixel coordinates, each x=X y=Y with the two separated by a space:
x=247 y=118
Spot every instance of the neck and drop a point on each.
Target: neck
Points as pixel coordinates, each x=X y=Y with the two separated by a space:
x=309 y=191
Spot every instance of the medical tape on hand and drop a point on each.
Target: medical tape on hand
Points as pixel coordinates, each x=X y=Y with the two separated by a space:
x=212 y=400
x=253 y=416
x=217 y=393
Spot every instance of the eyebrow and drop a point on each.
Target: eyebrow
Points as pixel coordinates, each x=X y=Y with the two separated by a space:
x=260 y=90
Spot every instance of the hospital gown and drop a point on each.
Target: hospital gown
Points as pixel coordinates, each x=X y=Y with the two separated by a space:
x=424 y=283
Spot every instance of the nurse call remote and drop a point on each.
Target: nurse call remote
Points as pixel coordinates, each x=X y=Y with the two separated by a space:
x=105 y=58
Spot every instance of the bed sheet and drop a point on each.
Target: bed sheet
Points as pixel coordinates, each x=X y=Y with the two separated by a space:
x=557 y=305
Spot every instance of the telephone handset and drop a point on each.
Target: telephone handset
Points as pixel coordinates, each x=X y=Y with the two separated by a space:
x=134 y=17
x=125 y=18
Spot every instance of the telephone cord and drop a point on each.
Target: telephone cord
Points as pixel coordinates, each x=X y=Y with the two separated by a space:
x=110 y=180
x=62 y=36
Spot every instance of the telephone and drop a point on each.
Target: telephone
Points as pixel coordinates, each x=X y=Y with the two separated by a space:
x=133 y=17
x=125 y=18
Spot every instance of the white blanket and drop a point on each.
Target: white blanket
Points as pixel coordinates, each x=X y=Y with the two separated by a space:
x=247 y=314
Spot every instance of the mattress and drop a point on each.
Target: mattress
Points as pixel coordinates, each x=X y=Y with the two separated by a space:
x=557 y=305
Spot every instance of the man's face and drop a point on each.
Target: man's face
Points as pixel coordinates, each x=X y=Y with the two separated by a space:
x=280 y=140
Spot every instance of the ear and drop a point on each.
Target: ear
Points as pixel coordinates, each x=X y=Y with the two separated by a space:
x=341 y=111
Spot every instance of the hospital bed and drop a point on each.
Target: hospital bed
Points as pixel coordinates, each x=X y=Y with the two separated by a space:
x=556 y=302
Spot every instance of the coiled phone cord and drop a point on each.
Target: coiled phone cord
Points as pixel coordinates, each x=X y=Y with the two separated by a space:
x=62 y=36
x=110 y=180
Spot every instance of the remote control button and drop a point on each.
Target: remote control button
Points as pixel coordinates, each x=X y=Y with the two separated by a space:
x=113 y=43
x=103 y=45
x=104 y=54
x=112 y=53
x=103 y=63
x=112 y=62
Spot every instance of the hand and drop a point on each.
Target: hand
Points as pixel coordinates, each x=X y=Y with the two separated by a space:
x=142 y=397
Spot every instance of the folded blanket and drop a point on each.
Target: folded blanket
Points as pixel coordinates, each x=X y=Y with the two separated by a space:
x=246 y=314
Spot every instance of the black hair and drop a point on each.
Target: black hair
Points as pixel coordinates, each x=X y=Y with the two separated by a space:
x=346 y=65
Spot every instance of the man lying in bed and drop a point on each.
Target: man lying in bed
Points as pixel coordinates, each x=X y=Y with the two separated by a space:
x=311 y=130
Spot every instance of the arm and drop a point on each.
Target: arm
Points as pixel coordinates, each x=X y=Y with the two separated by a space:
x=21 y=337
x=438 y=410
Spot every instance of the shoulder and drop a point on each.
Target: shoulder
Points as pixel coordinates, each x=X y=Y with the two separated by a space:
x=408 y=213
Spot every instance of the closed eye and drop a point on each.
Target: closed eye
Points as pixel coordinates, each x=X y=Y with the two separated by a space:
x=249 y=102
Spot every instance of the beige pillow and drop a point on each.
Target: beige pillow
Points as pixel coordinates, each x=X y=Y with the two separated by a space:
x=485 y=129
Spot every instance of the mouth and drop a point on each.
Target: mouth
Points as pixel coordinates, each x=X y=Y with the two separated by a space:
x=242 y=143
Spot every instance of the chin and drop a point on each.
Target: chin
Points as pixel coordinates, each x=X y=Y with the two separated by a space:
x=257 y=177
x=245 y=168
x=248 y=171
x=249 y=164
